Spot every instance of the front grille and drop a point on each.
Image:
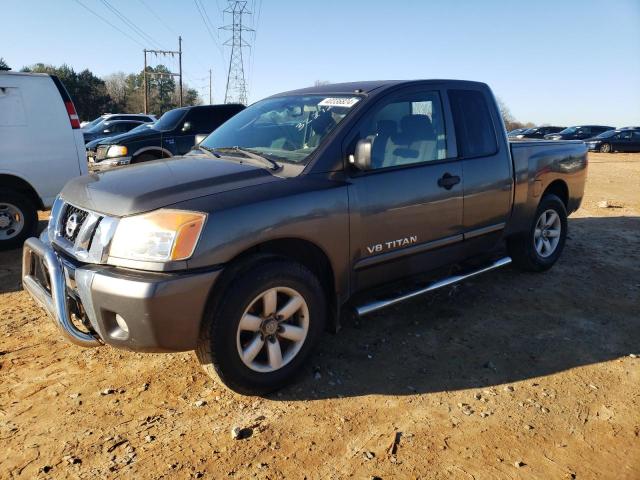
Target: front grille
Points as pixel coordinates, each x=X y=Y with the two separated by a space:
x=72 y=220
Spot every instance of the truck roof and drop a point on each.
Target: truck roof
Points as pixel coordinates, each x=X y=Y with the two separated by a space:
x=369 y=86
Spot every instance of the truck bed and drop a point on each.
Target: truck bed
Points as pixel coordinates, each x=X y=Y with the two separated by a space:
x=542 y=162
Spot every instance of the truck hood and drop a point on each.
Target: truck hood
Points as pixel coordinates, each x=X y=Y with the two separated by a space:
x=123 y=138
x=151 y=185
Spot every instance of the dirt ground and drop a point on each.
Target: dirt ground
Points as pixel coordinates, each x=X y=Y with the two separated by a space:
x=509 y=375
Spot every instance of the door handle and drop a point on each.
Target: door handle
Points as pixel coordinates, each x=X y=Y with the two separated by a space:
x=447 y=181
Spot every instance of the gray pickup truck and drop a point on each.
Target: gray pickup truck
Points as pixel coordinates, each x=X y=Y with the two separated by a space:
x=305 y=207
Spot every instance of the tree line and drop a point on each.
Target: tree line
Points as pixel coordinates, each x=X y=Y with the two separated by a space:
x=118 y=92
x=124 y=92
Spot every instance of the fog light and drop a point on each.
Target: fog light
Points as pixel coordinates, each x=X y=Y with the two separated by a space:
x=122 y=324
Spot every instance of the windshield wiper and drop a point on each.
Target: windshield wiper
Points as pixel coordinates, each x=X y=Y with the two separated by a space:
x=208 y=150
x=254 y=156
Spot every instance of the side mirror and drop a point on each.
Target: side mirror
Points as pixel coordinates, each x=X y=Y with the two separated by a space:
x=199 y=138
x=361 y=158
x=186 y=126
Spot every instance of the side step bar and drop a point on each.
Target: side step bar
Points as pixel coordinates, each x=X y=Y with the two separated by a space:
x=380 y=304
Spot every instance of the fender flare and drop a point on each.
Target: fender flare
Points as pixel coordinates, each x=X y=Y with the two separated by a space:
x=163 y=151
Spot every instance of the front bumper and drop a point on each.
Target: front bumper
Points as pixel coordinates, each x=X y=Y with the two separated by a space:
x=134 y=310
x=107 y=163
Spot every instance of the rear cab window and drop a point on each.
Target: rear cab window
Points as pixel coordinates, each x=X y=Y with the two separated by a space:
x=475 y=131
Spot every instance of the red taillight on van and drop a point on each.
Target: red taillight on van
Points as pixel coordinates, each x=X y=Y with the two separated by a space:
x=68 y=104
x=73 y=116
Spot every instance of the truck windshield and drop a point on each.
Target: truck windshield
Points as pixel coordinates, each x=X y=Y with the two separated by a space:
x=286 y=129
x=169 y=120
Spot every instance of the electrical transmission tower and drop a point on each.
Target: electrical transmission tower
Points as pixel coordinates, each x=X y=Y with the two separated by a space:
x=236 y=91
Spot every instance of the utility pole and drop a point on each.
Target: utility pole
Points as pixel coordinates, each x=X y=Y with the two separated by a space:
x=180 y=65
x=160 y=74
x=236 y=91
x=144 y=76
x=210 y=97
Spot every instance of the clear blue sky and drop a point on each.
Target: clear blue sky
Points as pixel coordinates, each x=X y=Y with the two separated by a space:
x=561 y=62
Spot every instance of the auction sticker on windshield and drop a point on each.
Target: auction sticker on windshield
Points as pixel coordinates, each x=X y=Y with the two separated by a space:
x=339 y=102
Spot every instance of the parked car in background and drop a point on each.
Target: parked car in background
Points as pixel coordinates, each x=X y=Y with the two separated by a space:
x=306 y=205
x=517 y=131
x=110 y=128
x=41 y=148
x=539 y=132
x=173 y=134
x=579 y=132
x=140 y=117
x=622 y=140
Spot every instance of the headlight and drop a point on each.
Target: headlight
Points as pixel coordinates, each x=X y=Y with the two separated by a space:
x=117 y=151
x=158 y=236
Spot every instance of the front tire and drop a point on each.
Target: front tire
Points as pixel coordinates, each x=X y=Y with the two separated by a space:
x=539 y=249
x=18 y=219
x=262 y=326
x=605 y=148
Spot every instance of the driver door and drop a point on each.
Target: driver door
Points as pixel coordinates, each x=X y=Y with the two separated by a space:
x=406 y=211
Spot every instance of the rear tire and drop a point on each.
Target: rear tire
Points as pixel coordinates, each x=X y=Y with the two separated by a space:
x=606 y=148
x=249 y=316
x=539 y=249
x=18 y=219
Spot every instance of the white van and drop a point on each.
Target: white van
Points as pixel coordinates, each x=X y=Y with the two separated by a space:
x=41 y=148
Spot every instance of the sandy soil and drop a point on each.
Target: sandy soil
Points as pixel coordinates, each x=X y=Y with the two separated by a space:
x=510 y=375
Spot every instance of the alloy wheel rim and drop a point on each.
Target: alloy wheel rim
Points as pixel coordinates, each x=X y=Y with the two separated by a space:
x=546 y=236
x=11 y=221
x=273 y=329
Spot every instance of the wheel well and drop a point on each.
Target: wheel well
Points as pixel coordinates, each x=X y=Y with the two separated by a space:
x=309 y=255
x=560 y=190
x=155 y=153
x=18 y=184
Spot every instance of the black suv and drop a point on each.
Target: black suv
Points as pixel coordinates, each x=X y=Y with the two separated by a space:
x=539 y=132
x=173 y=134
x=579 y=132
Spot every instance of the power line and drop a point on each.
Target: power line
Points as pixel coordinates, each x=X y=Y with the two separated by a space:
x=202 y=16
x=158 y=17
x=108 y=22
x=141 y=33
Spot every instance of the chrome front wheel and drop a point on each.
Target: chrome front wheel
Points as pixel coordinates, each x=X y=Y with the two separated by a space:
x=272 y=329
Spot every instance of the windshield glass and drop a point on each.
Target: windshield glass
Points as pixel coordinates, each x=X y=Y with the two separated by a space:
x=169 y=120
x=98 y=127
x=607 y=134
x=94 y=122
x=285 y=129
x=531 y=130
x=570 y=130
x=141 y=128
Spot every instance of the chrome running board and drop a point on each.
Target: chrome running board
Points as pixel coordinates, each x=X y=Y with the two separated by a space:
x=380 y=304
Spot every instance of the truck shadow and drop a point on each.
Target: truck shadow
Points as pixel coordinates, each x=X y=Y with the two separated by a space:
x=503 y=327
x=11 y=266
